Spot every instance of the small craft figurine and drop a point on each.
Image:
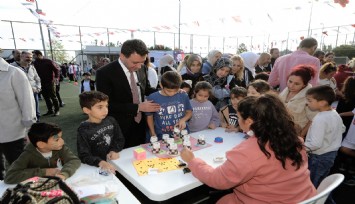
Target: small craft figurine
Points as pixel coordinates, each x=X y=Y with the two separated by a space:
x=201 y=140
x=176 y=132
x=186 y=138
x=173 y=150
x=153 y=139
x=165 y=138
x=169 y=142
x=156 y=148
x=187 y=144
x=183 y=133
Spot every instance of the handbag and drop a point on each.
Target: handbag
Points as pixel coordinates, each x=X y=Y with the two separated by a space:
x=40 y=190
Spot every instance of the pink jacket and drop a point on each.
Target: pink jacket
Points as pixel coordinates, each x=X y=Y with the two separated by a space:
x=283 y=65
x=255 y=178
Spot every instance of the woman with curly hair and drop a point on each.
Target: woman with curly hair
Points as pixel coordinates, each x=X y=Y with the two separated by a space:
x=270 y=166
x=294 y=97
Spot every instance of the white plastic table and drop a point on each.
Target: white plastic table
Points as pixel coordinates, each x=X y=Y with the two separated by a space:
x=124 y=195
x=162 y=186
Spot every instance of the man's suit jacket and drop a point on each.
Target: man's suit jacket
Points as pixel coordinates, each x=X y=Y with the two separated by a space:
x=111 y=80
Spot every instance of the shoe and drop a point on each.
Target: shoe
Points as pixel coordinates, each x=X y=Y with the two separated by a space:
x=350 y=182
x=62 y=105
x=48 y=113
x=56 y=113
x=351 y=171
x=342 y=167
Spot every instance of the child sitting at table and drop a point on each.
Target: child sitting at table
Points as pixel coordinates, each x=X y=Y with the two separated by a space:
x=100 y=137
x=175 y=107
x=228 y=114
x=325 y=133
x=204 y=113
x=46 y=155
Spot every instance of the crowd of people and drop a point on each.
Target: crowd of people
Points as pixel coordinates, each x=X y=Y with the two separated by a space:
x=284 y=105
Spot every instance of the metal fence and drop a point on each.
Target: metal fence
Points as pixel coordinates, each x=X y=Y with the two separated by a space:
x=27 y=35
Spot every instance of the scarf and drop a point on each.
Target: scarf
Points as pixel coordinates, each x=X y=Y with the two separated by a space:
x=214 y=80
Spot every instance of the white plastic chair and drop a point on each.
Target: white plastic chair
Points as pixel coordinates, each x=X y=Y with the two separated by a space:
x=326 y=186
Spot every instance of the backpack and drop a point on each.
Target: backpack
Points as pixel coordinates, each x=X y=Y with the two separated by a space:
x=40 y=190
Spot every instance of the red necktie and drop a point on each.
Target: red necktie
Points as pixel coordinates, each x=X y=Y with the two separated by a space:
x=134 y=90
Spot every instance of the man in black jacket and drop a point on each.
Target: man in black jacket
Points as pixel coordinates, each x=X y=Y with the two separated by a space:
x=126 y=83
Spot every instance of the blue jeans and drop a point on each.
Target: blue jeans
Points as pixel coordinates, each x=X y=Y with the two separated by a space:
x=38 y=114
x=319 y=166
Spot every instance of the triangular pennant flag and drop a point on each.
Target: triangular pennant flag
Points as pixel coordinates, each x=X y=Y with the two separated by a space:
x=166 y=27
x=237 y=19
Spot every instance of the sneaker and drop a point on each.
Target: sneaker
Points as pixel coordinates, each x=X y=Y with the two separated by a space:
x=56 y=113
x=62 y=105
x=342 y=167
x=351 y=171
x=48 y=113
x=350 y=182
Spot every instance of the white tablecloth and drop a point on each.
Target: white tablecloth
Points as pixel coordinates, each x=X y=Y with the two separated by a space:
x=163 y=186
x=124 y=196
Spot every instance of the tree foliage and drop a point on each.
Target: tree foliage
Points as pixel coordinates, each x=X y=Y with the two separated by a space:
x=242 y=48
x=160 y=47
x=59 y=54
x=111 y=44
x=327 y=48
x=345 y=50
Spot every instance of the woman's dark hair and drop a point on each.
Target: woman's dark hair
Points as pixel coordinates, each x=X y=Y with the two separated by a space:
x=348 y=89
x=273 y=126
x=306 y=72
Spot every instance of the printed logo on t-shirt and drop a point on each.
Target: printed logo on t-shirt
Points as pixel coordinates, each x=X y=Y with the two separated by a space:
x=171 y=109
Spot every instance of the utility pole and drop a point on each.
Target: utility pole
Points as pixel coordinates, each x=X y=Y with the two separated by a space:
x=179 y=22
x=40 y=28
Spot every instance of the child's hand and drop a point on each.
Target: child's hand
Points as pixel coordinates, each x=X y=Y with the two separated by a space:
x=212 y=126
x=187 y=155
x=104 y=165
x=52 y=171
x=181 y=124
x=113 y=155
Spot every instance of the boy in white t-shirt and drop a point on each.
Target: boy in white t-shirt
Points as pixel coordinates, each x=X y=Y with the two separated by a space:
x=325 y=133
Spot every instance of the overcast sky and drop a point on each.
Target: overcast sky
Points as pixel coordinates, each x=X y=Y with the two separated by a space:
x=222 y=17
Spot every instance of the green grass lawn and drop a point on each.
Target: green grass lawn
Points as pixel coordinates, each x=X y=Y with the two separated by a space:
x=70 y=116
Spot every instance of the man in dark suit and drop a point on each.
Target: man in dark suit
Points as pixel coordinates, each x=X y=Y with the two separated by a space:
x=126 y=83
